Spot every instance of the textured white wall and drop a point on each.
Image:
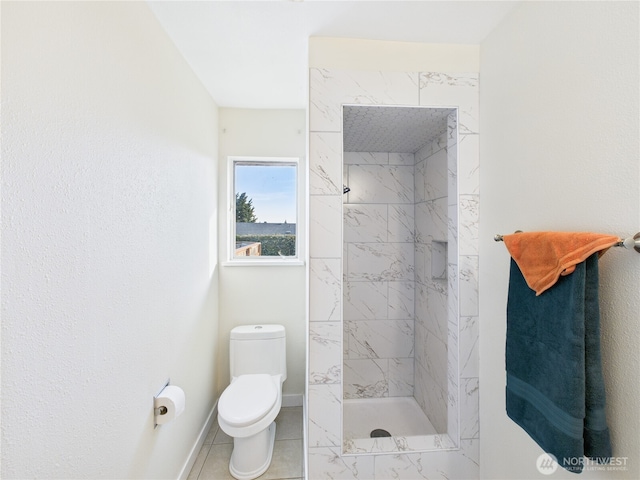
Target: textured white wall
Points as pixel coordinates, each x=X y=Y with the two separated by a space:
x=560 y=150
x=262 y=294
x=109 y=279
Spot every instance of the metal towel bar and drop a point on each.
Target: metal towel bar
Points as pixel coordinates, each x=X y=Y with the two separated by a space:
x=629 y=242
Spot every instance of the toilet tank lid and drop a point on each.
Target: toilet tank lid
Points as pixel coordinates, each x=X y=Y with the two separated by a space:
x=251 y=332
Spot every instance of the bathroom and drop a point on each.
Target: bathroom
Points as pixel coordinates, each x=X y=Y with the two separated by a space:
x=114 y=224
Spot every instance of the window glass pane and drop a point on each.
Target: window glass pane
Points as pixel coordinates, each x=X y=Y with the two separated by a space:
x=265 y=196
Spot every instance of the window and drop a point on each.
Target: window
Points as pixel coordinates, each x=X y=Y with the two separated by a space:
x=264 y=210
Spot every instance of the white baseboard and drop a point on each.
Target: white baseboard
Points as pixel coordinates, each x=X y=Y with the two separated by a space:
x=202 y=436
x=292 y=400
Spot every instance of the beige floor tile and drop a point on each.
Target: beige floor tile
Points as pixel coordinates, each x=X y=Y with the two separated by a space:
x=286 y=461
x=289 y=424
x=216 y=466
x=197 y=465
x=222 y=437
x=212 y=433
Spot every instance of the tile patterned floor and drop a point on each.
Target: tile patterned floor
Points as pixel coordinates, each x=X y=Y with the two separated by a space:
x=212 y=462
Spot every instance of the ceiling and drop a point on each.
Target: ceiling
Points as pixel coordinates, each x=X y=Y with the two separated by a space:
x=392 y=129
x=253 y=54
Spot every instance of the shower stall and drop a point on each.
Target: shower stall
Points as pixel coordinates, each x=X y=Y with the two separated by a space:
x=400 y=279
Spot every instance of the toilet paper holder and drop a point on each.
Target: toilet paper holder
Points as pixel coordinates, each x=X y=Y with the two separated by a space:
x=162 y=410
x=168 y=404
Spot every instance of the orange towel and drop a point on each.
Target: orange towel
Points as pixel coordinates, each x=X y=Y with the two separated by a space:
x=543 y=256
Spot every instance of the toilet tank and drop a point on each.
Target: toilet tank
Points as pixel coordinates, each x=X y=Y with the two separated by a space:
x=258 y=349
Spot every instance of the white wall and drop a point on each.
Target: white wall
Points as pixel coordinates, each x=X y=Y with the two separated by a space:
x=363 y=54
x=560 y=150
x=262 y=294
x=109 y=187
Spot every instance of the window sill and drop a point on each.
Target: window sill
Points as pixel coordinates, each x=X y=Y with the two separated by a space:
x=263 y=263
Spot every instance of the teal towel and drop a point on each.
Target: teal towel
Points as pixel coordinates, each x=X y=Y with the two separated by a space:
x=555 y=390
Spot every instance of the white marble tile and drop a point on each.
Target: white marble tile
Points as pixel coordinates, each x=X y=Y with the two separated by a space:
x=330 y=464
x=431 y=221
x=324 y=283
x=431 y=308
x=381 y=184
x=439 y=79
x=365 y=300
x=468 y=116
x=438 y=260
x=366 y=378
x=452 y=174
x=324 y=415
x=460 y=464
x=469 y=423
x=468 y=339
x=438 y=298
x=325 y=352
x=369 y=445
x=401 y=159
x=469 y=164
x=452 y=232
x=325 y=165
x=436 y=175
x=401 y=377
x=421 y=304
x=330 y=89
x=468 y=285
x=365 y=223
x=420 y=344
x=398 y=444
x=431 y=398
x=366 y=158
x=421 y=251
x=380 y=262
x=468 y=225
x=453 y=391
x=433 y=357
x=400 y=223
x=325 y=226
x=452 y=128
x=461 y=90
x=401 y=300
x=425 y=442
x=380 y=338
x=419 y=181
x=438 y=143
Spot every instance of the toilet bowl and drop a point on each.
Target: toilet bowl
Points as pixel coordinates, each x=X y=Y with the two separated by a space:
x=248 y=407
x=246 y=411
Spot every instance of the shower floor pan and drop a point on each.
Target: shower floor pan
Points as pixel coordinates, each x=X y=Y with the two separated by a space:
x=402 y=417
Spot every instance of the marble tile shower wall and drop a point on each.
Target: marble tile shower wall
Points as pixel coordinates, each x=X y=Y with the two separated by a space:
x=329 y=90
x=431 y=327
x=378 y=270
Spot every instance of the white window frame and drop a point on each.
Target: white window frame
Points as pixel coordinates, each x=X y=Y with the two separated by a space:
x=232 y=161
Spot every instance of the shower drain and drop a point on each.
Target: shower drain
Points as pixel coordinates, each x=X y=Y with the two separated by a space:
x=379 y=432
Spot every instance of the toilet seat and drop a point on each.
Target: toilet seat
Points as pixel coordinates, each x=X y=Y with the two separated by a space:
x=248 y=399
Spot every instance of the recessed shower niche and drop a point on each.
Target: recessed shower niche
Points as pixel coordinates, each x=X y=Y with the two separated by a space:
x=400 y=279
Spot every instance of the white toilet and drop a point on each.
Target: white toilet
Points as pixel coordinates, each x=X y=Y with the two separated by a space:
x=249 y=405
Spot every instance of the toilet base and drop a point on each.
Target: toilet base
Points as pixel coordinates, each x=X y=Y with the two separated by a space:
x=251 y=456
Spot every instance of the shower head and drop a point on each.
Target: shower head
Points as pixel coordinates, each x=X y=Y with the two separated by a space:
x=345 y=189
